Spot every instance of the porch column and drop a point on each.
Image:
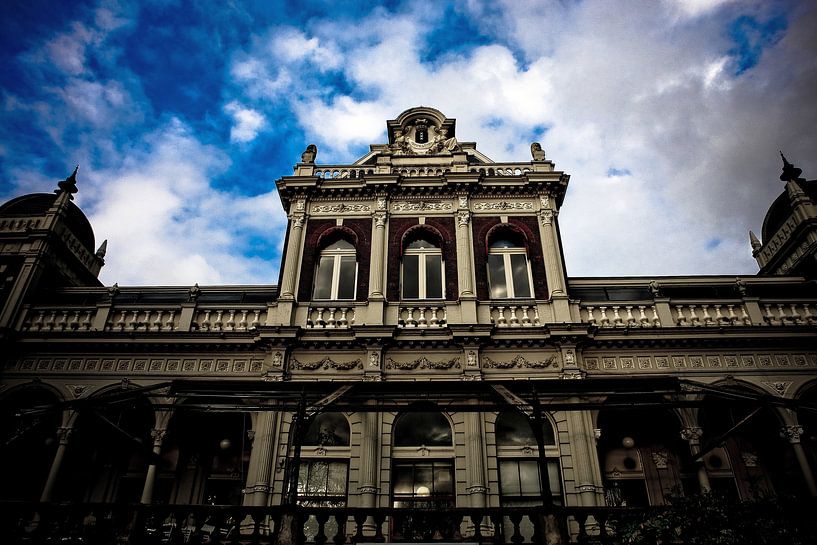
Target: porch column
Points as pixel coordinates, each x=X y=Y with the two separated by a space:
x=158 y=434
x=257 y=487
x=585 y=456
x=692 y=435
x=475 y=460
x=64 y=434
x=552 y=252
x=465 y=260
x=369 y=462
x=792 y=433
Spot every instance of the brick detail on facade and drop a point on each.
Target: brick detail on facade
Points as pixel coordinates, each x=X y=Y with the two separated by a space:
x=362 y=229
x=527 y=224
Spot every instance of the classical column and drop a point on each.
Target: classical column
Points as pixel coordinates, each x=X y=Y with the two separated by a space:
x=293 y=251
x=63 y=434
x=158 y=434
x=475 y=459
x=369 y=464
x=551 y=251
x=692 y=435
x=259 y=474
x=585 y=456
x=378 y=254
x=465 y=259
x=792 y=434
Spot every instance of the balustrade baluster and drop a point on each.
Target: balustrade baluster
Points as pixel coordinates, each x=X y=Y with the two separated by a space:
x=513 y=319
x=681 y=319
x=320 y=537
x=255 y=319
x=525 y=318
x=795 y=317
x=591 y=319
x=605 y=321
x=360 y=519
x=379 y=519
x=340 y=522
x=581 y=520
x=231 y=320
x=616 y=316
x=331 y=321
x=604 y=536
x=516 y=520
x=707 y=319
x=343 y=322
x=642 y=317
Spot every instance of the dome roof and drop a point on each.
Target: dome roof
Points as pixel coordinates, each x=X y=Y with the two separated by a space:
x=37 y=204
x=781 y=209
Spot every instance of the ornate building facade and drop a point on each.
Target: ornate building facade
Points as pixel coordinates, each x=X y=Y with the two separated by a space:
x=425 y=369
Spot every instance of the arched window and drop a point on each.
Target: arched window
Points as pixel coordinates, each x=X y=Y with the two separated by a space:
x=518 y=459
x=323 y=472
x=336 y=274
x=508 y=268
x=423 y=465
x=422 y=270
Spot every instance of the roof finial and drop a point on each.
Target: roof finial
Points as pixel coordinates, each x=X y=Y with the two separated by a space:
x=753 y=240
x=103 y=248
x=69 y=185
x=790 y=172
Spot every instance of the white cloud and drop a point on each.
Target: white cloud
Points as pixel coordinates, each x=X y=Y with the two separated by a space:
x=246 y=122
x=629 y=86
x=167 y=224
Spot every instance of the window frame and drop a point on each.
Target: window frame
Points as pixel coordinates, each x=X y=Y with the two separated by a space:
x=337 y=255
x=507 y=270
x=324 y=496
x=422 y=279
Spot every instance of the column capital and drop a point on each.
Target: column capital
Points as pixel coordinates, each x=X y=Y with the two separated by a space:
x=692 y=434
x=546 y=216
x=380 y=219
x=298 y=220
x=463 y=218
x=791 y=433
x=64 y=434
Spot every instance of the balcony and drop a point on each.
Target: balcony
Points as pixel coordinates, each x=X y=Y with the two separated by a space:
x=75 y=524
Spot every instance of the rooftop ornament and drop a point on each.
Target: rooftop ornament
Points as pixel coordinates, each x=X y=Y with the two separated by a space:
x=790 y=172
x=68 y=185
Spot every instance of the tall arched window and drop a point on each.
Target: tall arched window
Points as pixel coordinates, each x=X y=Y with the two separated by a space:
x=508 y=267
x=518 y=459
x=324 y=468
x=429 y=480
x=336 y=274
x=422 y=270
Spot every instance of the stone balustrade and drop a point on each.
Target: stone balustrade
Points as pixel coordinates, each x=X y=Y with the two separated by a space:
x=515 y=315
x=500 y=169
x=143 y=319
x=709 y=314
x=422 y=316
x=621 y=315
x=59 y=319
x=330 y=317
x=229 y=319
x=789 y=313
x=329 y=172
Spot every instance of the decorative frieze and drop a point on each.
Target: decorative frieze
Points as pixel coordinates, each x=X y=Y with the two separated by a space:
x=695 y=362
x=421 y=206
x=423 y=363
x=520 y=362
x=341 y=208
x=481 y=206
x=139 y=365
x=326 y=363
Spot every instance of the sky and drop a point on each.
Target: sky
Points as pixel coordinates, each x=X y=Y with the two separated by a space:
x=667 y=114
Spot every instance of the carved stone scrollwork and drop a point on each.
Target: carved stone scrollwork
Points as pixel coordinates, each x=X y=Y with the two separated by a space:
x=298 y=220
x=77 y=390
x=692 y=434
x=327 y=363
x=521 y=362
x=463 y=218
x=379 y=219
x=462 y=202
x=421 y=206
x=503 y=205
x=423 y=363
x=382 y=204
x=340 y=208
x=546 y=217
x=791 y=433
x=660 y=458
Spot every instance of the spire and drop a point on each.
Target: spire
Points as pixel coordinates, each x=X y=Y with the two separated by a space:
x=103 y=248
x=753 y=240
x=68 y=185
x=790 y=172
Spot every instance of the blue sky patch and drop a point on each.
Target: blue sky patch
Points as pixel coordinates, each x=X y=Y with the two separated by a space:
x=751 y=36
x=613 y=172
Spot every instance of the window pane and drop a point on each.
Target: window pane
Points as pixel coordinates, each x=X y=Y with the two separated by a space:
x=423 y=480
x=434 y=277
x=323 y=278
x=318 y=473
x=529 y=478
x=327 y=429
x=555 y=479
x=403 y=480
x=427 y=428
x=419 y=244
x=509 y=478
x=303 y=472
x=513 y=430
x=496 y=276
x=443 y=483
x=336 y=484
x=411 y=277
x=521 y=282
x=346 y=280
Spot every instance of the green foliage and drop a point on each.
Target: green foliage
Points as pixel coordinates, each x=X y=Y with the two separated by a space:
x=712 y=519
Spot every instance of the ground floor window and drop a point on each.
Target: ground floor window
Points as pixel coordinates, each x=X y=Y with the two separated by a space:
x=521 y=485
x=423 y=484
x=323 y=483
